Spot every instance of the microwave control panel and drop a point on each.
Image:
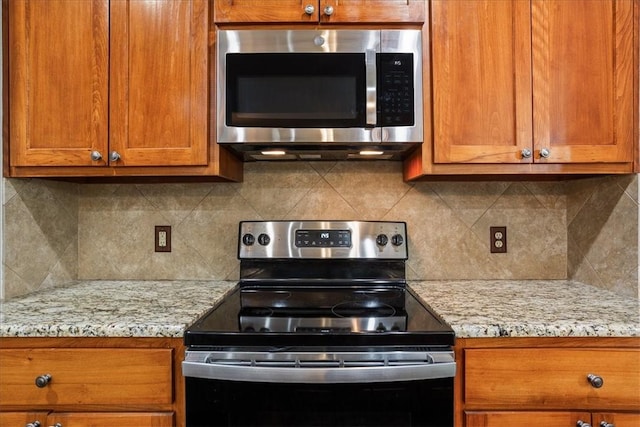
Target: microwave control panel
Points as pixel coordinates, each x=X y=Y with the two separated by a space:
x=395 y=89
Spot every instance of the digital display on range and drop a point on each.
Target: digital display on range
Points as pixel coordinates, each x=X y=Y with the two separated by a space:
x=323 y=238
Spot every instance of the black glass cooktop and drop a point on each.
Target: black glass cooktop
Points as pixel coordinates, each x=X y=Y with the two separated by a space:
x=308 y=315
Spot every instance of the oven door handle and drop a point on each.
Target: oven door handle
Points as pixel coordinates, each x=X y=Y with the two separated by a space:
x=357 y=374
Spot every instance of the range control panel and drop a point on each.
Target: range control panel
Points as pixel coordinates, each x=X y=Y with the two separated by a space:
x=323 y=239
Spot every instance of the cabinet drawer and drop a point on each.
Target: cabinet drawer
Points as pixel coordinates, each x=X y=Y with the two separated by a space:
x=107 y=419
x=552 y=378
x=86 y=376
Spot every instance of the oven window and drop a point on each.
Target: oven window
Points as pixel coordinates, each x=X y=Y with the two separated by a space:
x=408 y=404
x=296 y=90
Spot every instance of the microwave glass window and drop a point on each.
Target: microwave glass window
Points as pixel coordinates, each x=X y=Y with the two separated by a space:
x=333 y=97
x=296 y=90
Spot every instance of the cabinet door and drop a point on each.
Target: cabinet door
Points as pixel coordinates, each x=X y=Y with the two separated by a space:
x=106 y=419
x=158 y=92
x=229 y=11
x=58 y=71
x=481 y=59
x=524 y=418
x=583 y=80
x=618 y=419
x=373 y=11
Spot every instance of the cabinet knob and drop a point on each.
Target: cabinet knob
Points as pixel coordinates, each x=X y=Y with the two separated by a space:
x=581 y=423
x=309 y=9
x=56 y=425
x=95 y=156
x=328 y=10
x=33 y=424
x=526 y=153
x=606 y=424
x=595 y=380
x=43 y=380
x=545 y=153
x=114 y=156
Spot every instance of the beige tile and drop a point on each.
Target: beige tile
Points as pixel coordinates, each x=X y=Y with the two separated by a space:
x=629 y=183
x=592 y=216
x=321 y=203
x=371 y=188
x=613 y=252
x=433 y=230
x=175 y=201
x=14 y=285
x=469 y=200
x=212 y=229
x=37 y=230
x=273 y=189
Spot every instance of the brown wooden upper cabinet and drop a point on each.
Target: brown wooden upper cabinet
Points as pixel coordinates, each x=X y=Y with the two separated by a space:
x=108 y=84
x=324 y=11
x=540 y=86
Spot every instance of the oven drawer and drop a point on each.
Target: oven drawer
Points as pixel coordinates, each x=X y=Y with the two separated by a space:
x=552 y=378
x=107 y=376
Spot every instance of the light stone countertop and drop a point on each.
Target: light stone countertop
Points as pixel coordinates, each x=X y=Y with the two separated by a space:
x=111 y=309
x=473 y=308
x=530 y=308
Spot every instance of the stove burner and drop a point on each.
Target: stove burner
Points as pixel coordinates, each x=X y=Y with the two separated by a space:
x=362 y=309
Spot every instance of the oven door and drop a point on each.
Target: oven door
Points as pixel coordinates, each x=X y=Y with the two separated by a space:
x=323 y=389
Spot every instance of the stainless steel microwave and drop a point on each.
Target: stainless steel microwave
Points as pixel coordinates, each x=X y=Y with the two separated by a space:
x=319 y=94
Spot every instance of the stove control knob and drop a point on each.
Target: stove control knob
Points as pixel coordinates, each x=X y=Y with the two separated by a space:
x=382 y=239
x=264 y=239
x=248 y=239
x=397 y=240
x=381 y=328
x=263 y=329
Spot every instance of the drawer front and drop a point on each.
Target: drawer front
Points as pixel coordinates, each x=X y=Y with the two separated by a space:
x=106 y=419
x=86 y=376
x=551 y=378
x=524 y=418
x=20 y=419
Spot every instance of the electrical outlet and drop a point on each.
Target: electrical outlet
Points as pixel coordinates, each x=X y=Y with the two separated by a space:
x=163 y=238
x=498 y=238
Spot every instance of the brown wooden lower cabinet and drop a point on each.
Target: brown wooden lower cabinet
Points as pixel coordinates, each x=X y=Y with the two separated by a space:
x=549 y=419
x=82 y=419
x=553 y=382
x=97 y=382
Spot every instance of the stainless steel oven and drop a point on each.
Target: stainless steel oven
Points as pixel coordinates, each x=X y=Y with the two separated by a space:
x=320 y=331
x=306 y=91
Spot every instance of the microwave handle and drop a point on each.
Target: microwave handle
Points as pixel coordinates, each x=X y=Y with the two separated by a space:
x=371 y=80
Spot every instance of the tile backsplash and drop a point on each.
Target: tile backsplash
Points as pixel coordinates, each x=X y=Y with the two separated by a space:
x=585 y=229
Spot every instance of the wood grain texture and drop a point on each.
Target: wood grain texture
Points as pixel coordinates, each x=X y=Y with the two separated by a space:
x=59 y=91
x=87 y=376
x=344 y=11
x=481 y=81
x=503 y=419
x=154 y=351
x=159 y=60
x=583 y=77
x=552 y=378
